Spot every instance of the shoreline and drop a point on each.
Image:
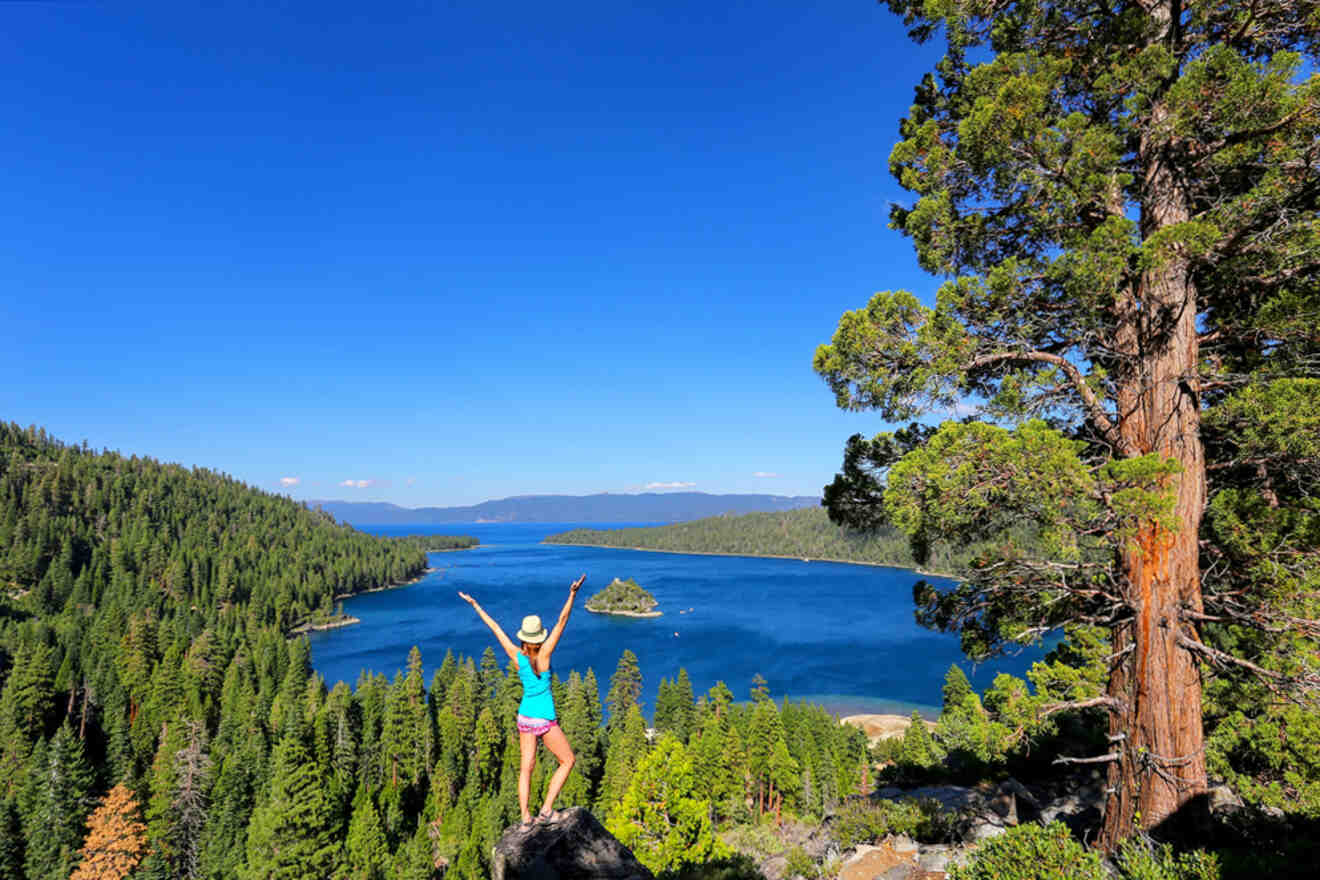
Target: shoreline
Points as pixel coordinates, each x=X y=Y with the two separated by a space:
x=942 y=574
x=346 y=620
x=626 y=613
x=879 y=727
x=409 y=582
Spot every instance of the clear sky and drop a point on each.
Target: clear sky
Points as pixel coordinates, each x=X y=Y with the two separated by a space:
x=435 y=253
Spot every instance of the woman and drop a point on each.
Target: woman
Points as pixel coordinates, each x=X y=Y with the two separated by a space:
x=536 y=712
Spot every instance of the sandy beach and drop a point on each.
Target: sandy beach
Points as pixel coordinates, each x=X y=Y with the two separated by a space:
x=878 y=727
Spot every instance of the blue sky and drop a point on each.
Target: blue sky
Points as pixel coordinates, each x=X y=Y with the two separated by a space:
x=448 y=252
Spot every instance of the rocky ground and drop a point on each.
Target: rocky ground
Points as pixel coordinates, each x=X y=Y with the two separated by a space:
x=577 y=846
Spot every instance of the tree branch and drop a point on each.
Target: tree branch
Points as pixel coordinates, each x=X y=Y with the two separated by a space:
x=1090 y=401
x=1098 y=759
x=1110 y=703
x=1220 y=658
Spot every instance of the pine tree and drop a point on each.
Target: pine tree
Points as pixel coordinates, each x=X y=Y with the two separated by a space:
x=190 y=800
x=489 y=748
x=489 y=675
x=444 y=677
x=956 y=687
x=707 y=751
x=415 y=860
x=627 y=745
x=659 y=817
x=160 y=819
x=26 y=704
x=684 y=708
x=57 y=822
x=625 y=689
x=720 y=698
x=12 y=841
x=919 y=749
x=293 y=834
x=785 y=778
x=231 y=809
x=763 y=735
x=575 y=718
x=1122 y=198
x=735 y=781
x=116 y=839
x=665 y=706
x=366 y=853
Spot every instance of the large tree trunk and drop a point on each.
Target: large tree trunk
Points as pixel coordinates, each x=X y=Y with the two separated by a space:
x=1156 y=728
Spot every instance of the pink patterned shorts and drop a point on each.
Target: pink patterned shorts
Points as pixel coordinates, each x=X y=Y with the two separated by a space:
x=537 y=726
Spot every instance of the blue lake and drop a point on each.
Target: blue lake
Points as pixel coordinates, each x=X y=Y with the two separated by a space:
x=841 y=635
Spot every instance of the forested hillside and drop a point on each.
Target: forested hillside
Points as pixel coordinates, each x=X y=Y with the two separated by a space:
x=156 y=719
x=806 y=532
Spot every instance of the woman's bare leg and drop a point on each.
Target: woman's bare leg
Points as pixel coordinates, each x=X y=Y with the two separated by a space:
x=527 y=743
x=558 y=745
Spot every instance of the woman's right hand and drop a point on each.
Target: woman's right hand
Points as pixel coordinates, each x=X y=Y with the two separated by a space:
x=468 y=599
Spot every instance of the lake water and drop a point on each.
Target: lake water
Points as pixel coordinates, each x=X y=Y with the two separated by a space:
x=841 y=635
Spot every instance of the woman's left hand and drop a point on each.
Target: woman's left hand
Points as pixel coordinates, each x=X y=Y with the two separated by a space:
x=577 y=583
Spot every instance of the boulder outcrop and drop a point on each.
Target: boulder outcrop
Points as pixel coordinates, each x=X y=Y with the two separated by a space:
x=573 y=846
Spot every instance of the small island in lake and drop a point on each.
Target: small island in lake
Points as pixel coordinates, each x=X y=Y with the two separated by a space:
x=623 y=597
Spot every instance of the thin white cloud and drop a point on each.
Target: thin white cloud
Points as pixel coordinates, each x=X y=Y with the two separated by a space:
x=673 y=485
x=357 y=484
x=963 y=408
x=765 y=475
x=289 y=481
x=412 y=481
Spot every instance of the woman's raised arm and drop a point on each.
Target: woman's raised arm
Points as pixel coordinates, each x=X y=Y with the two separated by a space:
x=509 y=647
x=555 y=633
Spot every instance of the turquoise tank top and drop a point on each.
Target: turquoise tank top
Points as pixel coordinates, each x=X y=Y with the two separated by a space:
x=537 y=701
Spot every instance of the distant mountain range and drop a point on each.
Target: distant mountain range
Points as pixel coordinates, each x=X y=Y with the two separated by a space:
x=650 y=507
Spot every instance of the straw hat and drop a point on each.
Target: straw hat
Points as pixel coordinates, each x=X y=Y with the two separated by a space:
x=533 y=632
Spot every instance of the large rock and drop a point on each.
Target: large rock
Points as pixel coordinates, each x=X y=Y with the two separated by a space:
x=978 y=812
x=575 y=847
x=870 y=862
x=885 y=862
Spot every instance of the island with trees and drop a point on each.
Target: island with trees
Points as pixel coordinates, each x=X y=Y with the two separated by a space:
x=625 y=598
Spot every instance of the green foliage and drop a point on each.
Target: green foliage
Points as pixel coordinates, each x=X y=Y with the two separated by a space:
x=659 y=817
x=804 y=533
x=855 y=497
x=60 y=802
x=1032 y=852
x=1122 y=201
x=622 y=596
x=799 y=864
x=919 y=750
x=366 y=852
x=733 y=867
x=976 y=480
x=625 y=689
x=896 y=356
x=625 y=750
x=1270 y=757
x=860 y=821
x=956 y=688
x=144 y=639
x=1140 y=859
x=291 y=836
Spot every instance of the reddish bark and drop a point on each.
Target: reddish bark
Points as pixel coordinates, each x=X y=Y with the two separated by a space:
x=1157 y=727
